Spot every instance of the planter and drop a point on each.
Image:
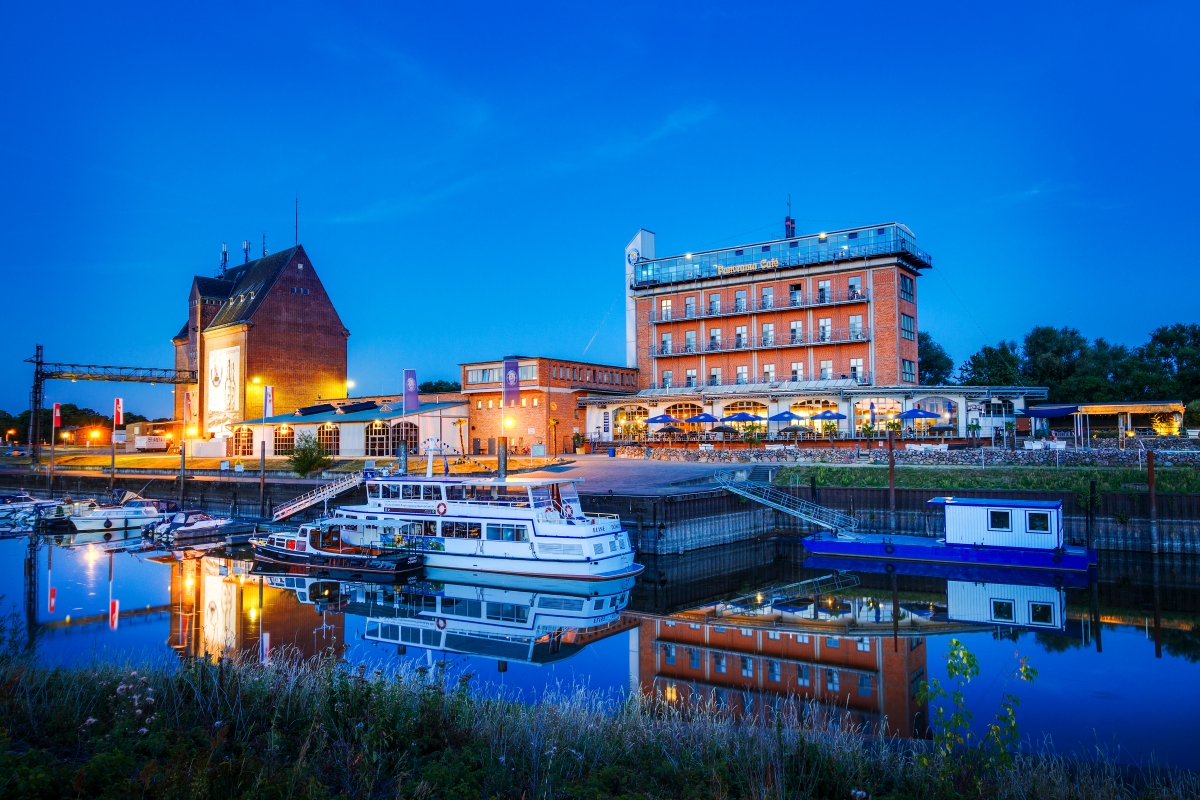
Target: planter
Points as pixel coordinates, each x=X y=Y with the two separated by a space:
x=580 y=451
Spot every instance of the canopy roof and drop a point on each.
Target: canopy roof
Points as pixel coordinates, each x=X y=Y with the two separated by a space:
x=1049 y=411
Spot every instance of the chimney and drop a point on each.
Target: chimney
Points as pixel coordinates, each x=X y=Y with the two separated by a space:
x=789 y=228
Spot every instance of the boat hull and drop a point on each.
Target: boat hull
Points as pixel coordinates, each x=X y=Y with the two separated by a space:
x=884 y=548
x=975 y=573
x=115 y=523
x=350 y=566
x=601 y=570
x=558 y=585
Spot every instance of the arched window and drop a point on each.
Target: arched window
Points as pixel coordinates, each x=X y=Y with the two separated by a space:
x=329 y=439
x=375 y=439
x=630 y=420
x=945 y=408
x=886 y=408
x=682 y=411
x=748 y=406
x=285 y=440
x=243 y=441
x=407 y=434
x=807 y=408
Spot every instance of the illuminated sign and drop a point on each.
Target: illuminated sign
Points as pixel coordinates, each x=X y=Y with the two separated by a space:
x=766 y=263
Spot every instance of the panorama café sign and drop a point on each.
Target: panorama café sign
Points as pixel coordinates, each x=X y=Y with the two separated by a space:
x=733 y=269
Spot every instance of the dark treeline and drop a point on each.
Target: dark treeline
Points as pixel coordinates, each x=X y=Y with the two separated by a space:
x=72 y=416
x=1075 y=369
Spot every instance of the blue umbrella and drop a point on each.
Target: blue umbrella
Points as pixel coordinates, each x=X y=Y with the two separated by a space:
x=828 y=415
x=742 y=416
x=785 y=416
x=917 y=413
x=702 y=418
x=663 y=419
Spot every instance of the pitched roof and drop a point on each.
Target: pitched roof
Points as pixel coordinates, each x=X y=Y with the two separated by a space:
x=212 y=287
x=183 y=333
x=250 y=283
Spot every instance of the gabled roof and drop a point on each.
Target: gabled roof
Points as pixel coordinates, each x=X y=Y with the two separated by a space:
x=212 y=287
x=183 y=333
x=250 y=283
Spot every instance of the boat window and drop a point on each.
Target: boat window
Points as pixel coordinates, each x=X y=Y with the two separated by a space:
x=461 y=607
x=541 y=496
x=999 y=520
x=456 y=492
x=1041 y=613
x=1038 y=522
x=506 y=533
x=410 y=492
x=461 y=530
x=507 y=612
x=391 y=491
x=373 y=491
x=431 y=491
x=568 y=493
x=1002 y=610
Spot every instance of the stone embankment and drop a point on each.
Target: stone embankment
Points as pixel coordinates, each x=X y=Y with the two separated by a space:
x=1169 y=451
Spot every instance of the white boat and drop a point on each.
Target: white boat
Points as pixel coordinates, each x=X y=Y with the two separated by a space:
x=131 y=512
x=196 y=524
x=513 y=526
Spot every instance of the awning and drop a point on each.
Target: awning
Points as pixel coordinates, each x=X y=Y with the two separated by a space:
x=1050 y=412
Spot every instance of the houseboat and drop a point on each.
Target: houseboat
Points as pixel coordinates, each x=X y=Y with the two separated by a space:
x=513 y=526
x=321 y=550
x=1025 y=534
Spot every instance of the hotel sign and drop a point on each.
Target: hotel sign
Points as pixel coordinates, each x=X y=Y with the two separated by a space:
x=733 y=269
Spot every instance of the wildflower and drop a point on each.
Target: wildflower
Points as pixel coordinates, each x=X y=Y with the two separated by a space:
x=217 y=724
x=358 y=726
x=121 y=690
x=90 y=721
x=137 y=713
x=858 y=794
x=143 y=731
x=134 y=673
x=149 y=701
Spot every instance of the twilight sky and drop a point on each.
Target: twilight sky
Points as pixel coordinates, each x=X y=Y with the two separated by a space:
x=469 y=175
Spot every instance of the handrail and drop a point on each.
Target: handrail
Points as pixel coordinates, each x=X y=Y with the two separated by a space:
x=768 y=495
x=755 y=602
x=829 y=297
x=317 y=495
x=819 y=336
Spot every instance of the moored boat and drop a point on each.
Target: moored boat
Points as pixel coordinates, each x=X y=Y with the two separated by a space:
x=320 y=549
x=131 y=511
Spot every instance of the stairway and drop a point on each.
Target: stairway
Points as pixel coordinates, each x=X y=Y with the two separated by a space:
x=768 y=495
x=764 y=600
x=318 y=495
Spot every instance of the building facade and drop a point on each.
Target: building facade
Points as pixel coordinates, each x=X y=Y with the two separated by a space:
x=548 y=412
x=268 y=322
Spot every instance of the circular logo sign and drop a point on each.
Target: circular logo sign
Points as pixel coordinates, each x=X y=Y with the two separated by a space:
x=512 y=377
x=633 y=256
x=412 y=384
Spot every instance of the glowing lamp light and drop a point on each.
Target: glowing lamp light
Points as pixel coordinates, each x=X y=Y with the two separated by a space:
x=253 y=614
x=65 y=435
x=191 y=431
x=509 y=422
x=257 y=380
x=95 y=434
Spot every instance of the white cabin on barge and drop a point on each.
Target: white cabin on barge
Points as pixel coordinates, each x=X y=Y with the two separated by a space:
x=1001 y=522
x=513 y=526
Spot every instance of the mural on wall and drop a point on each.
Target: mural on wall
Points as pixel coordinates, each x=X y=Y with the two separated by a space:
x=223 y=376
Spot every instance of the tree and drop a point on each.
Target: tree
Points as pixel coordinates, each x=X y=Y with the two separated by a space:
x=308 y=456
x=1191 y=414
x=1050 y=357
x=1168 y=366
x=935 y=367
x=1100 y=375
x=992 y=366
x=439 y=387
x=459 y=423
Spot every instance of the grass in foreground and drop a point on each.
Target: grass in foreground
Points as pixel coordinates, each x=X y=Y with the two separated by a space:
x=1167 y=479
x=316 y=729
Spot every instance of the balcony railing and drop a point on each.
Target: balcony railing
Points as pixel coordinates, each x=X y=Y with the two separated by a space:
x=829 y=297
x=817 y=337
x=860 y=377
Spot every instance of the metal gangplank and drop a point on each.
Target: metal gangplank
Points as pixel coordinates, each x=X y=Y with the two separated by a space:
x=768 y=495
x=318 y=495
x=764 y=600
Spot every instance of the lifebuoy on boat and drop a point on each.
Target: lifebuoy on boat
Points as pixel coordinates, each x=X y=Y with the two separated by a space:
x=889 y=548
x=568 y=510
x=889 y=568
x=441 y=624
x=441 y=508
x=1057 y=559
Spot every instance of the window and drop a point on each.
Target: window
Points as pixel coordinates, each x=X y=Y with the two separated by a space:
x=462 y=607
x=243 y=442
x=375 y=438
x=483 y=375
x=773 y=671
x=714 y=376
x=796 y=332
x=689 y=341
x=714 y=304
x=832 y=641
x=743 y=374
x=739 y=300
x=714 y=339
x=826 y=370
x=768 y=333
x=719 y=662
x=1002 y=610
x=855 y=287
x=669 y=653
x=689 y=307
x=768 y=373
x=856 y=328
x=906 y=288
x=479 y=405
x=832 y=684
x=507 y=612
x=668 y=379
x=823 y=292
x=908 y=370
x=824 y=329
x=856 y=369
x=908 y=327
x=506 y=533
x=768 y=297
x=691 y=378
x=797 y=371
x=999 y=520
x=747 y=667
x=1037 y=521
x=796 y=294
x=666 y=344
x=329 y=439
x=773 y=635
x=407 y=434
x=802 y=675
x=665 y=310
x=864 y=685
x=739 y=336
x=1041 y=613
x=285 y=440
x=693 y=658
x=460 y=530
x=862 y=644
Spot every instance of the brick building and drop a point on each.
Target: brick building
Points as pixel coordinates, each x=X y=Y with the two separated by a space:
x=268 y=322
x=550 y=389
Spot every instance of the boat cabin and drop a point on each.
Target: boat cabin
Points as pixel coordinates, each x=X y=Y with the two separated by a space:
x=1006 y=604
x=988 y=522
x=424 y=495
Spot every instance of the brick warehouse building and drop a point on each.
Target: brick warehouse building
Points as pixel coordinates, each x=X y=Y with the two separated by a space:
x=266 y=322
x=551 y=389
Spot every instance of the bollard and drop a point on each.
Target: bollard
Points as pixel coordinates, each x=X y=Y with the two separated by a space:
x=502 y=457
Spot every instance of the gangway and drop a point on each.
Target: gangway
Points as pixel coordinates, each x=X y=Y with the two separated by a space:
x=768 y=495
x=764 y=600
x=318 y=495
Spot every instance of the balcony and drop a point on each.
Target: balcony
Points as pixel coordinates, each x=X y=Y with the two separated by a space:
x=861 y=377
x=818 y=337
x=831 y=297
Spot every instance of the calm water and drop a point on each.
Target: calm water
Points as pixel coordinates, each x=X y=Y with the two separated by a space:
x=1109 y=676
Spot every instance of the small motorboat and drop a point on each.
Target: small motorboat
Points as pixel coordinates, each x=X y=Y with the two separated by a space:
x=321 y=549
x=195 y=524
x=131 y=511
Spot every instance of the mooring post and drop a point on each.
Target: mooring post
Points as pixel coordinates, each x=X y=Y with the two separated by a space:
x=895 y=616
x=1153 y=506
x=1091 y=513
x=502 y=457
x=812 y=482
x=892 y=479
x=262 y=476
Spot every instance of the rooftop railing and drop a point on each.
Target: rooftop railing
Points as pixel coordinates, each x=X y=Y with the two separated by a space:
x=860 y=377
x=798 y=339
x=827 y=297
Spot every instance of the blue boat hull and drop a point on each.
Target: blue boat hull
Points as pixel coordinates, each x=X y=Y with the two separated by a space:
x=953 y=571
x=881 y=547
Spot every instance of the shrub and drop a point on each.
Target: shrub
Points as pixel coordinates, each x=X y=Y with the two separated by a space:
x=307 y=456
x=1191 y=414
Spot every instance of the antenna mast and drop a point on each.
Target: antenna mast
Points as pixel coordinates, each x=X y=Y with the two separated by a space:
x=224 y=261
x=264 y=244
x=246 y=250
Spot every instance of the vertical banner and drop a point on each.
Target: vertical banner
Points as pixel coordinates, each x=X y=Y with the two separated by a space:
x=57 y=417
x=264 y=648
x=53 y=598
x=114 y=608
x=511 y=375
x=268 y=401
x=187 y=408
x=118 y=413
x=412 y=400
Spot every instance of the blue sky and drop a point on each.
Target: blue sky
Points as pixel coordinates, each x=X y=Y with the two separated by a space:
x=469 y=175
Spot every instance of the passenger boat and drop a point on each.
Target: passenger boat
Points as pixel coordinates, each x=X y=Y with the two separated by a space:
x=513 y=526
x=321 y=549
x=131 y=512
x=1023 y=534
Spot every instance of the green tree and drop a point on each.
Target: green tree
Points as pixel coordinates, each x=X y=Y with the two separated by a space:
x=436 y=387
x=992 y=366
x=308 y=456
x=1100 y=375
x=1050 y=356
x=935 y=367
x=1191 y=414
x=1168 y=366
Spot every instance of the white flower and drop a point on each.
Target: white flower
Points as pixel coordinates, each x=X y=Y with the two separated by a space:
x=90 y=721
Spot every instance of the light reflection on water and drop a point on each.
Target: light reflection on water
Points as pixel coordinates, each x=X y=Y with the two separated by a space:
x=1107 y=675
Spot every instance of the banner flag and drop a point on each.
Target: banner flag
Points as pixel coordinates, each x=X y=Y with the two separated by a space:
x=114 y=607
x=269 y=401
x=53 y=598
x=57 y=416
x=510 y=374
x=264 y=648
x=118 y=413
x=412 y=400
